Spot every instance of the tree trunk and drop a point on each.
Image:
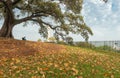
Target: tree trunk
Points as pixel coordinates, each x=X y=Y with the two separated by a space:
x=6 y=31
x=9 y=21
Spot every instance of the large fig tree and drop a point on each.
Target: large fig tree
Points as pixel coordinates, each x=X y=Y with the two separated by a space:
x=66 y=15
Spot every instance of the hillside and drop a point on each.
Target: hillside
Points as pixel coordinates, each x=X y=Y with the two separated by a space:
x=26 y=59
x=17 y=48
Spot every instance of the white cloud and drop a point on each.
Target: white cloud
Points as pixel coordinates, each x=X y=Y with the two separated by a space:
x=105 y=34
x=103 y=19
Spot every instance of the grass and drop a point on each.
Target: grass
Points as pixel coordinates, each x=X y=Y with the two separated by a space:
x=47 y=60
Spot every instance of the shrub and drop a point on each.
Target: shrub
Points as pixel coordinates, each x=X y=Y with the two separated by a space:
x=69 y=40
x=61 y=42
x=39 y=40
x=105 y=48
x=84 y=45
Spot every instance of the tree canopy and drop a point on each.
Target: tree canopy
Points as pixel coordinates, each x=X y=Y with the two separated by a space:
x=66 y=15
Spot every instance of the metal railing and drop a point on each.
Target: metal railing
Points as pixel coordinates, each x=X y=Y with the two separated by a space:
x=102 y=45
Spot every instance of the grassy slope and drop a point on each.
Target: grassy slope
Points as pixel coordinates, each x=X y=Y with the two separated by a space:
x=24 y=59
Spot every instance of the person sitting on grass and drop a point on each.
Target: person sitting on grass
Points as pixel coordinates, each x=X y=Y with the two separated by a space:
x=24 y=38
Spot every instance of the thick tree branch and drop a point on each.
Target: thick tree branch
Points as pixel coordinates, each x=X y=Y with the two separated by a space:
x=23 y=20
x=15 y=2
x=28 y=18
x=42 y=22
x=34 y=15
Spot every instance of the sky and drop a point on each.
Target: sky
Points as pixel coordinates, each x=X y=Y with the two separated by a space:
x=102 y=18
